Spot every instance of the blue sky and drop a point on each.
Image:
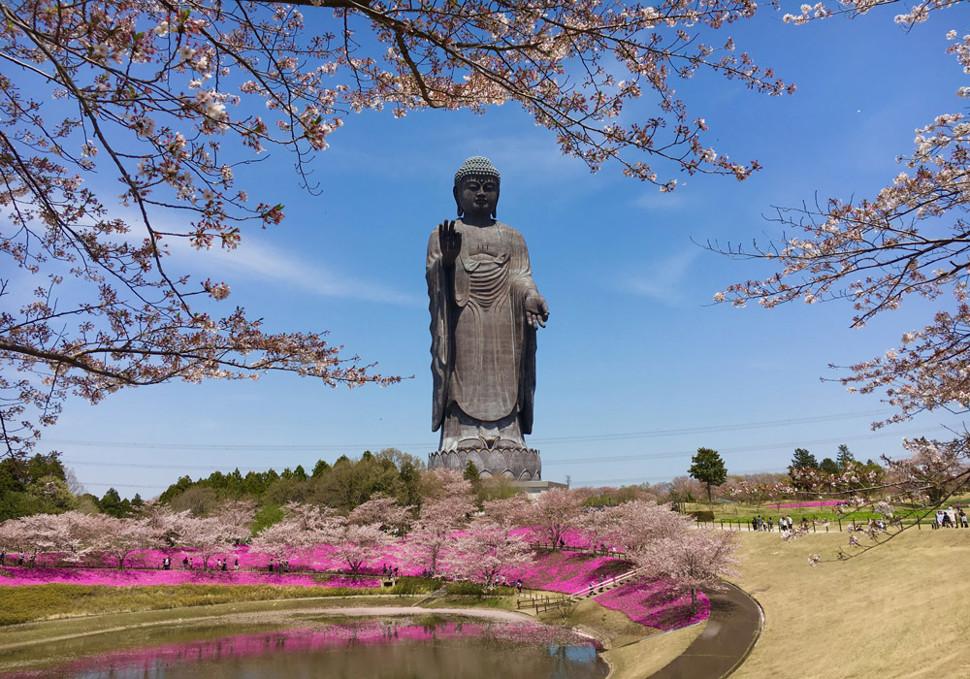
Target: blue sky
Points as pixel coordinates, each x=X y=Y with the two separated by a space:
x=636 y=368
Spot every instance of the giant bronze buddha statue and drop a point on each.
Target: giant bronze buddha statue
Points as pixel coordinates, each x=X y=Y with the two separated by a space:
x=485 y=310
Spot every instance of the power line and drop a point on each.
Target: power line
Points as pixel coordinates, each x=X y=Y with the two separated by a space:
x=655 y=433
x=556 y=461
x=744 y=449
x=642 y=479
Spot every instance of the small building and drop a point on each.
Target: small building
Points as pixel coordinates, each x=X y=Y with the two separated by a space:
x=535 y=488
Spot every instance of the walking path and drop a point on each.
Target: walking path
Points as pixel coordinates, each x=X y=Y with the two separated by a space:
x=731 y=632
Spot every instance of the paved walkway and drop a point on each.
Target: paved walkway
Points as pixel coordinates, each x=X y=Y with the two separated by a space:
x=731 y=632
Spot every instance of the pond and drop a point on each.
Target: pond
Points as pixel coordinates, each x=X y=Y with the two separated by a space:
x=402 y=648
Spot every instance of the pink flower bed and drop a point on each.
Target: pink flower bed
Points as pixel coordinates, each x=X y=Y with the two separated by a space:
x=654 y=604
x=567 y=572
x=320 y=558
x=810 y=503
x=534 y=535
x=18 y=577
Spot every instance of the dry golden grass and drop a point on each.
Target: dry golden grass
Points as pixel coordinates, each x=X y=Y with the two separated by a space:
x=612 y=628
x=643 y=658
x=900 y=610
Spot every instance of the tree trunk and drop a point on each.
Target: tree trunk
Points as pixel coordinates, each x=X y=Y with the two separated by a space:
x=693 y=600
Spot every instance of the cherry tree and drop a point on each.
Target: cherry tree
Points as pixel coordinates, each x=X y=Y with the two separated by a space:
x=909 y=240
x=385 y=512
x=302 y=527
x=119 y=538
x=239 y=514
x=485 y=552
x=758 y=490
x=169 y=102
x=507 y=511
x=357 y=544
x=209 y=535
x=283 y=540
x=69 y=535
x=553 y=513
x=435 y=529
x=935 y=470
x=633 y=525
x=440 y=483
x=690 y=561
x=36 y=534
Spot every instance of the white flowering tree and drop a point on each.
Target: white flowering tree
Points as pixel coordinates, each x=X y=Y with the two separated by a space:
x=119 y=538
x=909 y=240
x=690 y=561
x=302 y=527
x=163 y=102
x=385 y=512
x=209 y=535
x=553 y=513
x=484 y=553
x=356 y=544
x=632 y=525
x=436 y=529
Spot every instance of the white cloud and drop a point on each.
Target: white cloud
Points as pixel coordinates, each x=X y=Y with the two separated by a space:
x=663 y=280
x=260 y=260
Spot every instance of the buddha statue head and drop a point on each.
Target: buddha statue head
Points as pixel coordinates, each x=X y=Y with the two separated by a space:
x=476 y=190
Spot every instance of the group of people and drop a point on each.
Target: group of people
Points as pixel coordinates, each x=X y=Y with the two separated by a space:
x=951 y=518
x=221 y=564
x=785 y=524
x=281 y=566
x=762 y=523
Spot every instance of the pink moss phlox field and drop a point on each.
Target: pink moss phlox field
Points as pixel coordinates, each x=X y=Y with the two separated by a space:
x=654 y=604
x=319 y=558
x=809 y=503
x=309 y=639
x=536 y=536
x=18 y=577
x=568 y=572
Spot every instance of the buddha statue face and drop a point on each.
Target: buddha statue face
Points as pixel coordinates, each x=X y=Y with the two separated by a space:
x=477 y=197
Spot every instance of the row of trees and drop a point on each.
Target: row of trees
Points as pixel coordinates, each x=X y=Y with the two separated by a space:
x=343 y=485
x=805 y=475
x=41 y=484
x=447 y=536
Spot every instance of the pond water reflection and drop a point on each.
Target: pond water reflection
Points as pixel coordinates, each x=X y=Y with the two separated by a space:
x=377 y=649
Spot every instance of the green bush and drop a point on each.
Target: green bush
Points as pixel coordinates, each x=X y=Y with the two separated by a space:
x=415 y=585
x=464 y=588
x=705 y=515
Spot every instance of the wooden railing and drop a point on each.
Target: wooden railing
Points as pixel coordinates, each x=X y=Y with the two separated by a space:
x=603 y=585
x=543 y=603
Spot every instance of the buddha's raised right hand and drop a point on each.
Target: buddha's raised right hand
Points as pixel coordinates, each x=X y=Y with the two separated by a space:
x=449 y=241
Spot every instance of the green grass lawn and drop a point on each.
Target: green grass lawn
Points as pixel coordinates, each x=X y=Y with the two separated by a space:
x=731 y=512
x=39 y=602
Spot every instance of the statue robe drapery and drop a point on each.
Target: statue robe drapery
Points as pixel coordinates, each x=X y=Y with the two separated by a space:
x=482 y=347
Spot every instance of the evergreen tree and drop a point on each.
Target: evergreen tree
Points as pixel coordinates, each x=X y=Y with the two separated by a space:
x=320 y=468
x=708 y=468
x=473 y=476
x=802 y=459
x=845 y=458
x=829 y=466
x=110 y=503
